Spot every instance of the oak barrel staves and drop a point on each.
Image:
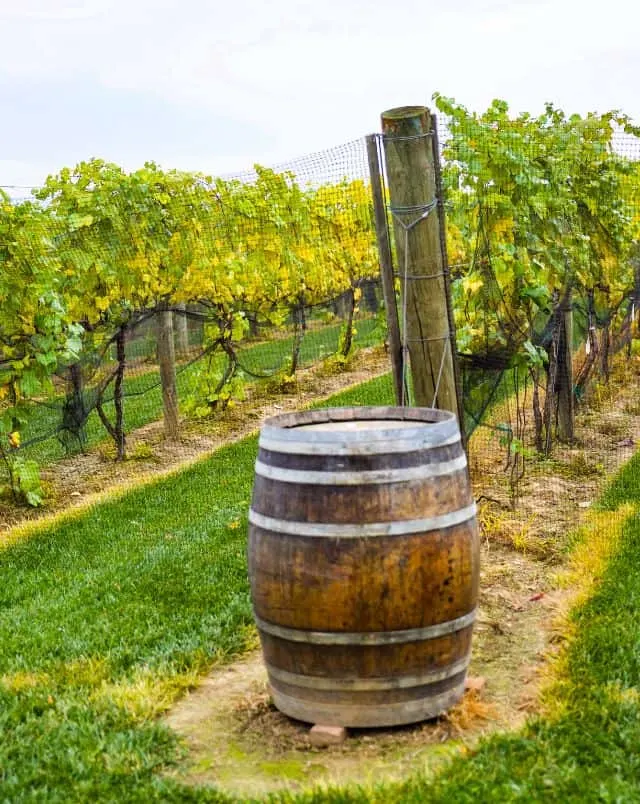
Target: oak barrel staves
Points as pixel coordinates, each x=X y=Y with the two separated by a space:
x=363 y=562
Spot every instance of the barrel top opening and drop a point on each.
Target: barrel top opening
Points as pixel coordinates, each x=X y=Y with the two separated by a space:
x=426 y=426
x=365 y=422
x=376 y=417
x=362 y=424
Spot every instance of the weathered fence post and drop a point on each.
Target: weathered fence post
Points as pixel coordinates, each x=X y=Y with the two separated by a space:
x=565 y=387
x=427 y=328
x=442 y=228
x=386 y=265
x=167 y=363
x=181 y=329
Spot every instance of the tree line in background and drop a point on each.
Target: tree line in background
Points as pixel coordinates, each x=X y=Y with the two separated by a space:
x=543 y=218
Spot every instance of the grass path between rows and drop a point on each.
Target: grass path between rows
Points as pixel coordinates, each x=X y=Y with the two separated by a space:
x=107 y=616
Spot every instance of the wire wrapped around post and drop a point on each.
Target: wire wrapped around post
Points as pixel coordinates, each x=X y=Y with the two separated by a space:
x=414 y=204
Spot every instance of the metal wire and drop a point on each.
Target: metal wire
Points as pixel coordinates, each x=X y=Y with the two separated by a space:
x=406 y=137
x=423 y=211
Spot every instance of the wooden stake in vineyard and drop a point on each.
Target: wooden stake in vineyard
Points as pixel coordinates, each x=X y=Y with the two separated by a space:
x=565 y=389
x=386 y=266
x=167 y=363
x=181 y=329
x=426 y=318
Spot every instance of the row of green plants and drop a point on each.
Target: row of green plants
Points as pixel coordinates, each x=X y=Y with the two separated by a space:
x=267 y=362
x=102 y=252
x=542 y=216
x=143 y=394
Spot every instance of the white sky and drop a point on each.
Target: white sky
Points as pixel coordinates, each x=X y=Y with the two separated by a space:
x=216 y=85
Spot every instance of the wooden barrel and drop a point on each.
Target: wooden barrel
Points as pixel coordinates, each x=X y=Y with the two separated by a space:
x=363 y=562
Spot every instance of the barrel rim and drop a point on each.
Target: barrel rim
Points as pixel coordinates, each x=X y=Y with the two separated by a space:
x=286 y=426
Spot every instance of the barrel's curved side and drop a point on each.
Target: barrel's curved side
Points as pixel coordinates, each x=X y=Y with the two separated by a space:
x=360 y=709
x=385 y=583
x=368 y=685
x=407 y=659
x=364 y=573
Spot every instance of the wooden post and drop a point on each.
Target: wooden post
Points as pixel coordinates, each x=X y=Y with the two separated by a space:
x=167 y=361
x=564 y=383
x=386 y=266
x=407 y=137
x=442 y=227
x=181 y=328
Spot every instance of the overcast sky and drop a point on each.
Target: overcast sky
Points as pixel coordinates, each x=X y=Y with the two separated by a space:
x=216 y=85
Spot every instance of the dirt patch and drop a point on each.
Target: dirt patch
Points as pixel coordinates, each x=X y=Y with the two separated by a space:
x=239 y=742
x=81 y=480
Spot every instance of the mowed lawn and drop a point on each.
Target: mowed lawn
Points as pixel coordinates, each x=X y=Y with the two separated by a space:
x=105 y=618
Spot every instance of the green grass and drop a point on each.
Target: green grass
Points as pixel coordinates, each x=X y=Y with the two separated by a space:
x=143 y=396
x=151 y=586
x=154 y=582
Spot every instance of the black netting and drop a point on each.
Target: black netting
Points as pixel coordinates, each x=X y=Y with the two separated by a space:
x=230 y=282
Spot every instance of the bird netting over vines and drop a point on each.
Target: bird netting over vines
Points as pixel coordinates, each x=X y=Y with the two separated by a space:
x=543 y=220
x=155 y=286
x=126 y=294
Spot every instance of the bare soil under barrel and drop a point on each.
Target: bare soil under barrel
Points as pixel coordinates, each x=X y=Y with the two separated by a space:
x=237 y=740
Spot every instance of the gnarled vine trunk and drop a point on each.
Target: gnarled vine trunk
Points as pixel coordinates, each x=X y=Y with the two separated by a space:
x=564 y=379
x=347 y=337
x=605 y=349
x=118 y=394
x=116 y=430
x=299 y=329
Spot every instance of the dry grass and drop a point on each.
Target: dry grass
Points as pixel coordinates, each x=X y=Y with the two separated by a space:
x=471 y=712
x=501 y=526
x=595 y=542
x=144 y=696
x=22 y=680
